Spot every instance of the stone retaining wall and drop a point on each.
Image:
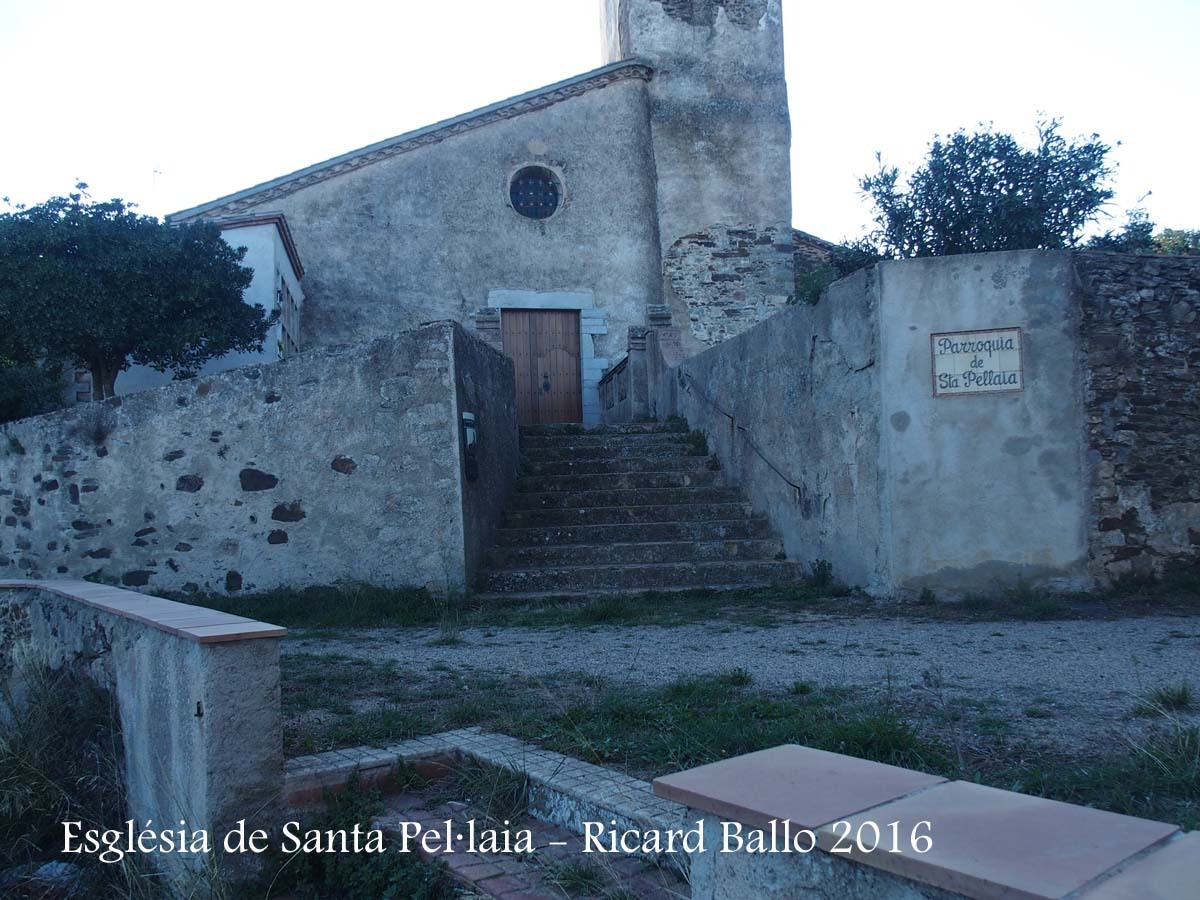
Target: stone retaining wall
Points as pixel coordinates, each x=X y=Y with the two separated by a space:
x=829 y=419
x=340 y=464
x=1141 y=322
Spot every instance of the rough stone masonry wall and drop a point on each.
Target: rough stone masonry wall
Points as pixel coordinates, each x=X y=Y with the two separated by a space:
x=338 y=464
x=1141 y=346
x=726 y=279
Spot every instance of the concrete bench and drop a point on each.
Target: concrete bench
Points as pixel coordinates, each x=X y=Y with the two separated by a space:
x=983 y=842
x=197 y=692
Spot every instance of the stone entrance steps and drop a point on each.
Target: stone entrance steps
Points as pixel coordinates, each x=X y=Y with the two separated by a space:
x=624 y=509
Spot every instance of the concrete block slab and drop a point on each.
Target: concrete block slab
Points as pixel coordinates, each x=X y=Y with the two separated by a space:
x=992 y=843
x=804 y=786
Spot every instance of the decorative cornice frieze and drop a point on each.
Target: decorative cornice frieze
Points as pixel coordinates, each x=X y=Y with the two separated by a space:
x=533 y=101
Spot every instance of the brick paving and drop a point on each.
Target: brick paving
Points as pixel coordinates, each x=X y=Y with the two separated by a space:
x=564 y=793
x=540 y=875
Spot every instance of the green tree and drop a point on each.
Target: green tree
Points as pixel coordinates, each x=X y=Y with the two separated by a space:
x=29 y=389
x=1178 y=242
x=984 y=191
x=97 y=285
x=1136 y=236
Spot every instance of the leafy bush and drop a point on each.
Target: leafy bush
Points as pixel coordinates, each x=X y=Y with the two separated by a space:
x=337 y=876
x=29 y=389
x=982 y=192
x=59 y=759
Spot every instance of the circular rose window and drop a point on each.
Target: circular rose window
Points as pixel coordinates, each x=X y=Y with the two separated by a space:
x=535 y=192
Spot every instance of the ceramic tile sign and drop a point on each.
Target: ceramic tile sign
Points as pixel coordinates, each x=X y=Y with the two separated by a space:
x=976 y=362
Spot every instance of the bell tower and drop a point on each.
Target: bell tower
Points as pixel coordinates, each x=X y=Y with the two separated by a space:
x=718 y=107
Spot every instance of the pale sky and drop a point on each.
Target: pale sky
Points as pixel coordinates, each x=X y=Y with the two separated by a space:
x=171 y=104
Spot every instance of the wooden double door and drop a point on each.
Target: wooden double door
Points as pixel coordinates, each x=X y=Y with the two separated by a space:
x=544 y=347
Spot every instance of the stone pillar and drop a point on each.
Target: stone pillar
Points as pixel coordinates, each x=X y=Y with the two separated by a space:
x=666 y=332
x=637 y=373
x=487 y=326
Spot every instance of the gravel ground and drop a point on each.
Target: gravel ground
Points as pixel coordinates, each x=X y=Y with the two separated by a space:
x=1062 y=683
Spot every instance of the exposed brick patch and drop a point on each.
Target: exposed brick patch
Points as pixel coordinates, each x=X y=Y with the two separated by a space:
x=233 y=581
x=1140 y=335
x=741 y=13
x=732 y=277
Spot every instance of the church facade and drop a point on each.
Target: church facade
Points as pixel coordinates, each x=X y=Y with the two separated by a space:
x=655 y=188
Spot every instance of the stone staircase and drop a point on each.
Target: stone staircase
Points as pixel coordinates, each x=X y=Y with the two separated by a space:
x=626 y=509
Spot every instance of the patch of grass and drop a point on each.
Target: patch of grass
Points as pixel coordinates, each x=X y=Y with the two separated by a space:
x=1155 y=778
x=696 y=443
x=1166 y=699
x=337 y=608
x=351 y=606
x=502 y=793
x=61 y=759
x=348 y=876
x=647 y=731
x=820 y=573
x=801 y=688
x=607 y=609
x=450 y=634
x=739 y=677
x=578 y=879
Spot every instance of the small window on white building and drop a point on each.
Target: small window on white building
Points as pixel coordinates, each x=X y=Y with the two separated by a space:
x=289 y=319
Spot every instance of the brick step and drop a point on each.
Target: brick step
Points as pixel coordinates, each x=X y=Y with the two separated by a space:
x=535 y=442
x=568 y=554
x=610 y=450
x=620 y=464
x=647 y=577
x=617 y=481
x=728 y=530
x=629 y=515
x=628 y=428
x=585 y=500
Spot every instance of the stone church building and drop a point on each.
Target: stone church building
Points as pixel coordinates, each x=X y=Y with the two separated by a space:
x=654 y=188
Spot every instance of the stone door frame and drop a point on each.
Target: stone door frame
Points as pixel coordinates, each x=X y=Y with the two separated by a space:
x=592 y=321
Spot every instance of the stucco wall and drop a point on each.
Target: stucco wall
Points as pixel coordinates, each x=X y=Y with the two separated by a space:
x=427 y=233
x=791 y=407
x=201 y=724
x=484 y=386
x=338 y=464
x=1141 y=346
x=983 y=489
x=718 y=108
x=827 y=418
